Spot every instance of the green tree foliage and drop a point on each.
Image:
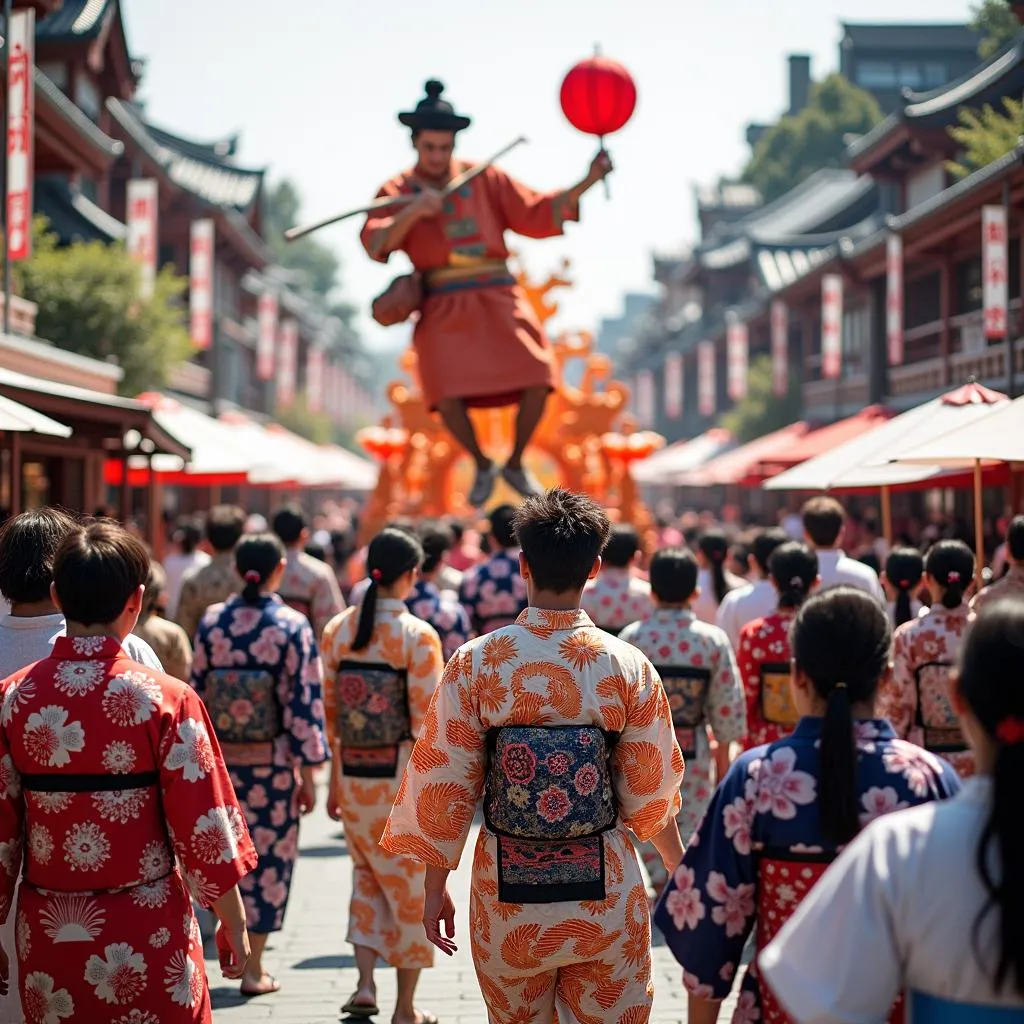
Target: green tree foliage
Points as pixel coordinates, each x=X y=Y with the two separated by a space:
x=762 y=411
x=986 y=135
x=815 y=138
x=307 y=255
x=996 y=23
x=89 y=302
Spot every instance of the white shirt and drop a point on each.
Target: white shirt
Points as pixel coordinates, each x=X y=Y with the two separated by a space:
x=836 y=569
x=896 y=911
x=177 y=567
x=705 y=607
x=749 y=603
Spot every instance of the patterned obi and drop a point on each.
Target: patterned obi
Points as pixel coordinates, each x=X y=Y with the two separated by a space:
x=549 y=799
x=925 y=1009
x=372 y=718
x=477 y=273
x=243 y=705
x=687 y=690
x=777 y=706
x=935 y=716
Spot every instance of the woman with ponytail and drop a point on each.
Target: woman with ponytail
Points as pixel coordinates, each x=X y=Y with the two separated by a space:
x=944 y=921
x=715 y=580
x=901 y=580
x=784 y=811
x=381 y=667
x=916 y=697
x=257 y=669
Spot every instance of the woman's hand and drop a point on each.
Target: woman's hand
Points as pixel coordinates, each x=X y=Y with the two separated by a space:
x=334 y=795
x=306 y=795
x=438 y=907
x=231 y=936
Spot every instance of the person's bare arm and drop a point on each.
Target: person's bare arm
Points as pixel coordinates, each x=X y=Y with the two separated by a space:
x=600 y=168
x=438 y=907
x=427 y=204
x=702 y=1011
x=669 y=845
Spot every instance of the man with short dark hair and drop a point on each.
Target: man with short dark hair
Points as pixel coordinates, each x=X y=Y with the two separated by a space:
x=566 y=731
x=618 y=597
x=757 y=599
x=494 y=592
x=823 y=519
x=1012 y=584
x=309 y=585
x=218 y=580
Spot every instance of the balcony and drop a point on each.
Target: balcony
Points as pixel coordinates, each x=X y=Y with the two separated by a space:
x=834 y=399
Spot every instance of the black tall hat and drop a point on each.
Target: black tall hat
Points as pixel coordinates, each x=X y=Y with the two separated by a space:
x=433 y=113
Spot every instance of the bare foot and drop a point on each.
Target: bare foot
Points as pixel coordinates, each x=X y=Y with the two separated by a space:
x=264 y=985
x=420 y=1017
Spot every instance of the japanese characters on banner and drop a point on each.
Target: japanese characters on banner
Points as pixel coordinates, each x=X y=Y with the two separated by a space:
x=707 y=388
x=20 y=133
x=645 y=398
x=142 y=230
x=831 y=327
x=266 y=317
x=673 y=385
x=780 y=348
x=737 y=346
x=315 y=379
x=894 y=298
x=287 y=362
x=994 y=270
x=200 y=289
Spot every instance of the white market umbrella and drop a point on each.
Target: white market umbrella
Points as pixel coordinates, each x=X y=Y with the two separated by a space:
x=682 y=457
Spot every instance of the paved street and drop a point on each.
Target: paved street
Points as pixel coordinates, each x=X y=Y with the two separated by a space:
x=317 y=972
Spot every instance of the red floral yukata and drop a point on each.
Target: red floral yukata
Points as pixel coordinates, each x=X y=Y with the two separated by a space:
x=764 y=657
x=108 y=772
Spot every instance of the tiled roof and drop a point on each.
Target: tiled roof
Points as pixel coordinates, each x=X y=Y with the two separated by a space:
x=909 y=36
x=74 y=19
x=728 y=195
x=72 y=216
x=47 y=92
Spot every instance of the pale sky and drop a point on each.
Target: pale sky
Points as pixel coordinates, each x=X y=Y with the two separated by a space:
x=314 y=86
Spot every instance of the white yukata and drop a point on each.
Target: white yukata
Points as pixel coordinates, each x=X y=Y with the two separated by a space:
x=896 y=913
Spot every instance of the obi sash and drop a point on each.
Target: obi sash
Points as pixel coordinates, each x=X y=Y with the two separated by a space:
x=777 y=707
x=687 y=690
x=548 y=800
x=935 y=717
x=243 y=705
x=925 y=1009
x=478 y=273
x=372 y=718
x=299 y=604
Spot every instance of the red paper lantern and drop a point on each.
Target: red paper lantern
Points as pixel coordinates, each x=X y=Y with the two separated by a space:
x=598 y=96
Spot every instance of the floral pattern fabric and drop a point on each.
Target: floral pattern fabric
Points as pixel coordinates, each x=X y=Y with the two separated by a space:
x=310 y=587
x=442 y=610
x=760 y=842
x=493 y=593
x=257 y=668
x=590 y=959
x=617 y=598
x=105 y=928
x=764 y=658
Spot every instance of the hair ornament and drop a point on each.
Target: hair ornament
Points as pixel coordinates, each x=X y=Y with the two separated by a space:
x=840 y=686
x=797 y=582
x=1010 y=731
x=252 y=576
x=953 y=577
x=376 y=575
x=904 y=584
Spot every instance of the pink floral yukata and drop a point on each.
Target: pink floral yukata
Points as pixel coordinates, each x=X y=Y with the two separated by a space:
x=494 y=593
x=616 y=598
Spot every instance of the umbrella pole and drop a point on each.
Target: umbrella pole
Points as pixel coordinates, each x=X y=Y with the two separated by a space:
x=979 y=526
x=887 y=516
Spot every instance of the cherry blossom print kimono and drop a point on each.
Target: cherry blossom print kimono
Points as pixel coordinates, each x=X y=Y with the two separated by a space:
x=257 y=669
x=759 y=851
x=386 y=912
x=494 y=593
x=698 y=670
x=441 y=610
x=916 y=698
x=763 y=658
x=565 y=732
x=112 y=785
x=617 y=598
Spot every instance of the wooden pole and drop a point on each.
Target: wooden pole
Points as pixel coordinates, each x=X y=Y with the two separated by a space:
x=979 y=526
x=126 y=492
x=16 y=508
x=887 y=516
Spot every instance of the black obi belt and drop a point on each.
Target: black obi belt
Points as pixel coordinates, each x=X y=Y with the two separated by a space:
x=687 y=690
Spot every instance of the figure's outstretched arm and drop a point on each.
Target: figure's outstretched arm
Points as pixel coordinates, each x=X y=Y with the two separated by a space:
x=382 y=235
x=600 y=168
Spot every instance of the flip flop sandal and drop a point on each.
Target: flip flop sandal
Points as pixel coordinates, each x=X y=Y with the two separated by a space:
x=363 y=1010
x=250 y=993
x=428 y=1018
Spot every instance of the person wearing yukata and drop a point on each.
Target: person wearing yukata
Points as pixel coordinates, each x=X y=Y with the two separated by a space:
x=494 y=592
x=171 y=643
x=440 y=608
x=257 y=670
x=764 y=653
x=382 y=666
x=217 y=580
x=114 y=791
x=942 y=921
x=756 y=599
x=566 y=735
x=784 y=810
x=916 y=698
x=1012 y=584
x=478 y=341
x=715 y=580
x=698 y=671
x=308 y=585
x=904 y=571
x=618 y=597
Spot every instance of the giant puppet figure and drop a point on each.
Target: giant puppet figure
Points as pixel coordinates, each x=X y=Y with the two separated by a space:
x=477 y=339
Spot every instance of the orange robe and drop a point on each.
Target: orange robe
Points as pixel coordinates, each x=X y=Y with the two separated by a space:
x=477 y=337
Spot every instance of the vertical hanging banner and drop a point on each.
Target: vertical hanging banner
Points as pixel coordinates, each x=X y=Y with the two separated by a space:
x=894 y=298
x=20 y=133
x=645 y=398
x=994 y=274
x=315 y=379
x=737 y=347
x=780 y=348
x=142 y=230
x=707 y=387
x=673 y=385
x=831 y=327
x=200 y=289
x=287 y=359
x=266 y=318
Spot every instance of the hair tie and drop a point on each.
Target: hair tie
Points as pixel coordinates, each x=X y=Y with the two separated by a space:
x=839 y=686
x=252 y=576
x=376 y=575
x=1010 y=731
x=953 y=577
x=904 y=584
x=797 y=583
x=717 y=556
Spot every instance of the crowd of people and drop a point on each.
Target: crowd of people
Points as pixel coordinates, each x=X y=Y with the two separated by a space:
x=753 y=740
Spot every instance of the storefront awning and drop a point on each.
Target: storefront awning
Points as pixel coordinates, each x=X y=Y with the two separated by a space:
x=21 y=419
x=746 y=465
x=682 y=457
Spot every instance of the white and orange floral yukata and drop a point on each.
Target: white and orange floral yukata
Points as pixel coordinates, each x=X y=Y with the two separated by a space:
x=566 y=733
x=366 y=694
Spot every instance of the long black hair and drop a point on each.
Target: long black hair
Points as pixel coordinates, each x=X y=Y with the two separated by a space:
x=841 y=640
x=904 y=568
x=951 y=564
x=256 y=558
x=392 y=553
x=793 y=568
x=714 y=546
x=992 y=685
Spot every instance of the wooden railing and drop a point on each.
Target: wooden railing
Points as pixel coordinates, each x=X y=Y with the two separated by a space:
x=826 y=398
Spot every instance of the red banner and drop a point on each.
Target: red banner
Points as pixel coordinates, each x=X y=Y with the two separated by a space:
x=266 y=317
x=673 y=386
x=200 y=293
x=894 y=298
x=780 y=348
x=287 y=363
x=831 y=327
x=994 y=273
x=142 y=230
x=737 y=345
x=20 y=133
x=707 y=387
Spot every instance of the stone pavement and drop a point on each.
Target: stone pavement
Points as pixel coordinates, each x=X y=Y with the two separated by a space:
x=317 y=972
